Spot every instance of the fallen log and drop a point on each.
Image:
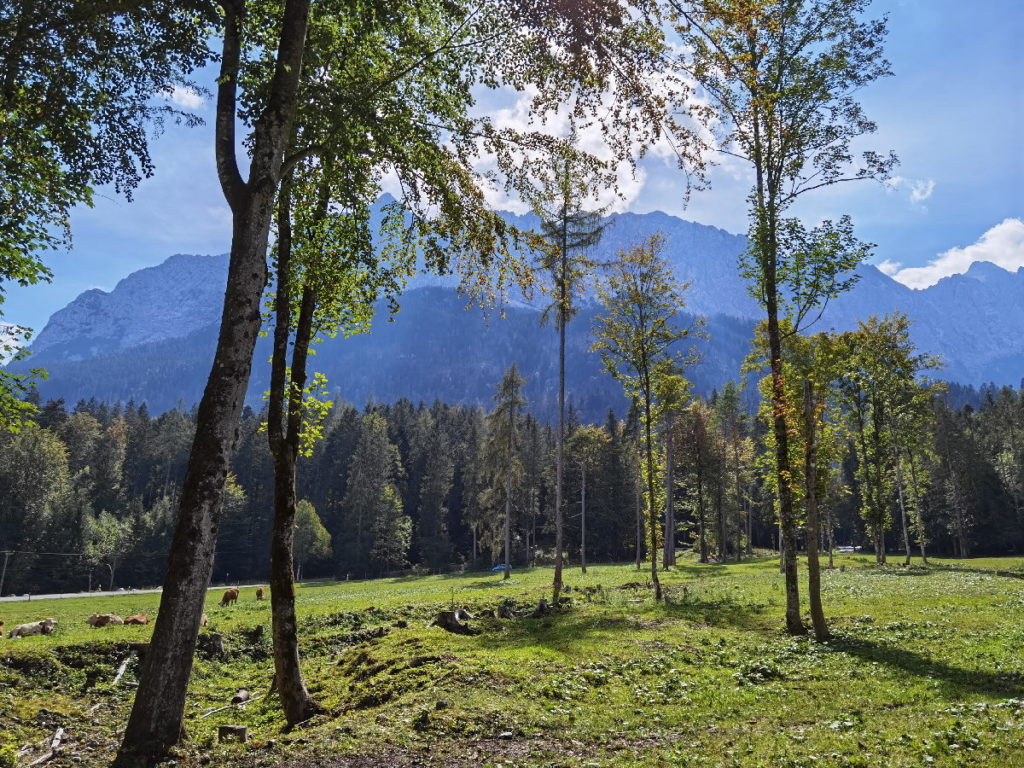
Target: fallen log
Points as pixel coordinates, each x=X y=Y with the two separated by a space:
x=54 y=745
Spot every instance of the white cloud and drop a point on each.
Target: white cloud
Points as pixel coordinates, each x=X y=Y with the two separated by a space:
x=920 y=189
x=186 y=98
x=889 y=267
x=1002 y=245
x=515 y=113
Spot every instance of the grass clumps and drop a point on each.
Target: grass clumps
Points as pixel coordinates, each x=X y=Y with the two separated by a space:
x=924 y=669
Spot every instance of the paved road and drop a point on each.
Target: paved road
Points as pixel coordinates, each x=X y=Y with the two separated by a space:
x=120 y=592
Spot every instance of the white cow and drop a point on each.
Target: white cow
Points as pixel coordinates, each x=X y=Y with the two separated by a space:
x=43 y=627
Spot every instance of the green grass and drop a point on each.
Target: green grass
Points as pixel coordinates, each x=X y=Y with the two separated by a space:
x=925 y=669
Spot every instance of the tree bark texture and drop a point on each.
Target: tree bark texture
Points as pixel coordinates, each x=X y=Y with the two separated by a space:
x=583 y=518
x=283 y=430
x=821 y=631
x=670 y=522
x=156 y=721
x=556 y=587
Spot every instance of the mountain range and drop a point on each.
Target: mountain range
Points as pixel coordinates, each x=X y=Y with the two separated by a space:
x=151 y=338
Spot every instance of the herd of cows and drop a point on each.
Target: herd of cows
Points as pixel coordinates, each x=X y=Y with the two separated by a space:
x=97 y=620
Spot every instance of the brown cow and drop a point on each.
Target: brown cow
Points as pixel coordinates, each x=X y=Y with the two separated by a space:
x=43 y=627
x=138 y=618
x=259 y=593
x=230 y=596
x=98 y=620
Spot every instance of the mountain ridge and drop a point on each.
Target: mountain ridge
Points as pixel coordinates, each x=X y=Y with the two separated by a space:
x=969 y=319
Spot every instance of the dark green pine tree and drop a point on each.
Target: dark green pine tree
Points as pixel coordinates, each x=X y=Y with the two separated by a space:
x=435 y=545
x=503 y=465
x=372 y=507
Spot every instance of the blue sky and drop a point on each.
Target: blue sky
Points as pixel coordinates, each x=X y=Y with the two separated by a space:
x=954 y=112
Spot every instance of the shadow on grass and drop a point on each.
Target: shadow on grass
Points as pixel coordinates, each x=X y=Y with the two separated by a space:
x=579 y=625
x=955 y=681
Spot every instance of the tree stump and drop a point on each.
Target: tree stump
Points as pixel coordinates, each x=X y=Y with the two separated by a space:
x=210 y=645
x=540 y=610
x=449 y=621
x=239 y=733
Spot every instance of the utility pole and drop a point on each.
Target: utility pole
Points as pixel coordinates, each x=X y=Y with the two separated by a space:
x=3 y=572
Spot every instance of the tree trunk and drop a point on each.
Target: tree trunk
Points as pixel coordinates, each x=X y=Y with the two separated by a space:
x=903 y=506
x=701 y=514
x=767 y=245
x=283 y=430
x=739 y=497
x=652 y=513
x=821 y=632
x=723 y=541
x=670 y=523
x=639 y=529
x=556 y=587
x=156 y=721
x=918 y=511
x=831 y=536
x=583 y=519
x=508 y=530
x=508 y=493
x=750 y=527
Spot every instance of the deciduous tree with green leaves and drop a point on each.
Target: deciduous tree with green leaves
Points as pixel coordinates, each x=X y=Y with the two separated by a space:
x=84 y=85
x=268 y=52
x=568 y=230
x=782 y=76
x=635 y=336
x=312 y=540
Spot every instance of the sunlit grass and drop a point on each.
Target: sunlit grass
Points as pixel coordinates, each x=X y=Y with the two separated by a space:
x=925 y=669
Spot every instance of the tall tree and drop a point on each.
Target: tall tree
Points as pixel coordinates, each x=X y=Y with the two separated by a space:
x=155 y=723
x=263 y=51
x=504 y=465
x=635 y=336
x=568 y=231
x=372 y=504
x=882 y=388
x=783 y=76
x=585 y=449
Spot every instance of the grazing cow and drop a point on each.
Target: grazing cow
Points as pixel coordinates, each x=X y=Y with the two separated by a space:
x=43 y=627
x=202 y=621
x=259 y=593
x=230 y=596
x=98 y=620
x=138 y=618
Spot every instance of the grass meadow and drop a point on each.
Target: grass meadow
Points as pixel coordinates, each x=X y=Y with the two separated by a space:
x=926 y=668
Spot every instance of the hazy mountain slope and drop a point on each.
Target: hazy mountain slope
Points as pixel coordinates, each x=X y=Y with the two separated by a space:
x=435 y=348
x=152 y=337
